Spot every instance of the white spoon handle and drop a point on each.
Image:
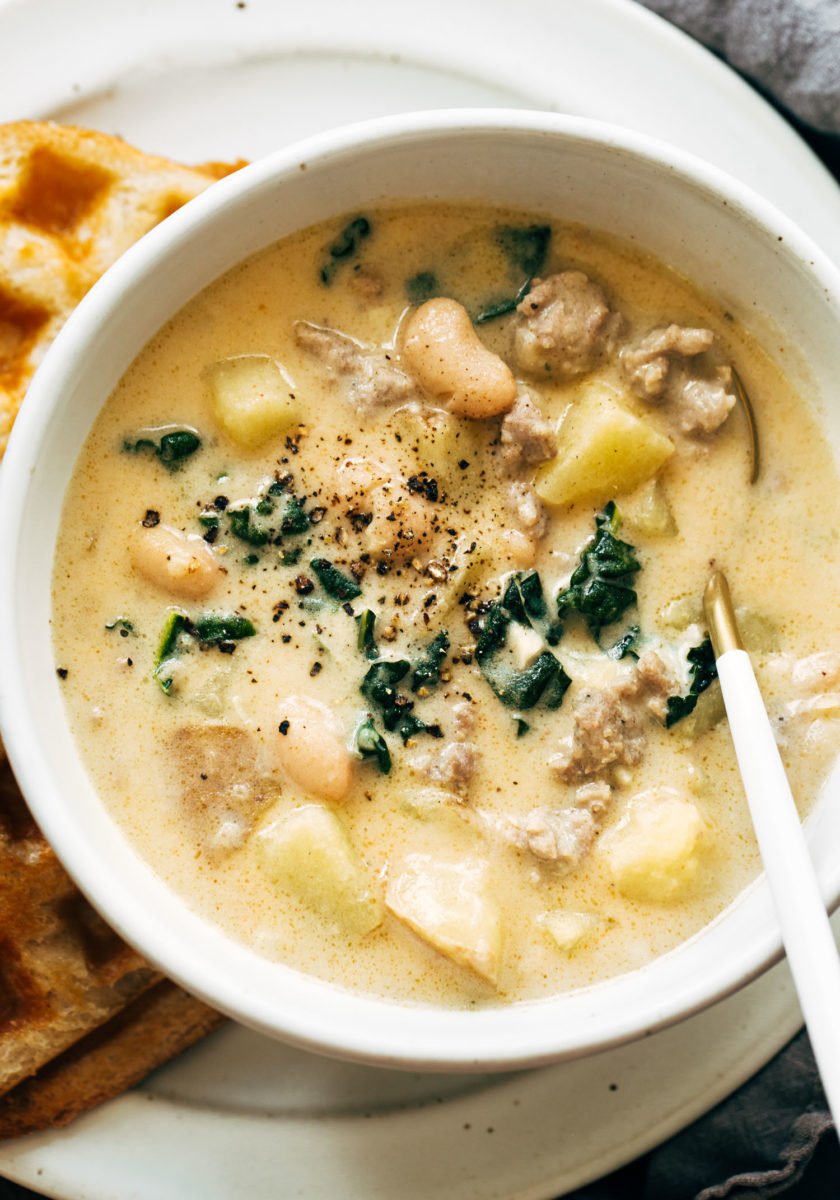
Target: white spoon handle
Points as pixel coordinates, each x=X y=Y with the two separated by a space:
x=806 y=932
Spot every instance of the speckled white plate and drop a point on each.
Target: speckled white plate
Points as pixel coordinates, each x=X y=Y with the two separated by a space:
x=222 y=79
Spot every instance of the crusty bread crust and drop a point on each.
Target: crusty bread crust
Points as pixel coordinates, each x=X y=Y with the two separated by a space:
x=71 y=201
x=155 y=1027
x=82 y=1016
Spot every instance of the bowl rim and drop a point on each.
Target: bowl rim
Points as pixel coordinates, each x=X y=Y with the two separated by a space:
x=473 y=1040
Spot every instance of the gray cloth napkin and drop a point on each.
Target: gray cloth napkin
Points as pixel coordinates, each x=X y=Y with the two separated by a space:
x=772 y=1138
x=791 y=48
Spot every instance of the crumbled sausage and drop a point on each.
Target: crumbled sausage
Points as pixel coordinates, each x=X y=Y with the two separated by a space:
x=526 y=436
x=562 y=835
x=595 y=797
x=452 y=766
x=527 y=509
x=218 y=782
x=656 y=683
x=368 y=378
x=606 y=732
x=658 y=369
x=564 y=326
x=817 y=672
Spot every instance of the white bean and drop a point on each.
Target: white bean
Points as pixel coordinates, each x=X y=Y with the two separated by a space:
x=445 y=355
x=177 y=564
x=311 y=750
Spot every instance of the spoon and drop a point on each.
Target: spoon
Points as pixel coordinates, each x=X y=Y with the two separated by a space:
x=806 y=932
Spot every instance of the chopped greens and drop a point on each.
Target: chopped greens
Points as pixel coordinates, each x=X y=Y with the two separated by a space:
x=626 y=645
x=524 y=597
x=379 y=687
x=344 y=246
x=378 y=684
x=336 y=584
x=369 y=743
x=545 y=679
x=526 y=249
x=422 y=287
x=222 y=627
x=245 y=526
x=503 y=307
x=172 y=448
x=427 y=672
x=703 y=673
x=526 y=246
x=600 y=588
x=211 y=629
x=365 y=641
x=260 y=521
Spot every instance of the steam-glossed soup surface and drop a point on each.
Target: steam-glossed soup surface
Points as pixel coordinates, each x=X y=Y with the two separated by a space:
x=378 y=603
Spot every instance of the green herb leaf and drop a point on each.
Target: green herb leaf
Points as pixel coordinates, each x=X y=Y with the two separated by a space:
x=370 y=743
x=294 y=519
x=212 y=628
x=600 y=588
x=544 y=680
x=244 y=525
x=526 y=246
x=172 y=448
x=625 y=645
x=427 y=672
x=345 y=246
x=334 y=582
x=703 y=673
x=176 y=624
x=503 y=307
x=378 y=683
x=365 y=640
x=422 y=287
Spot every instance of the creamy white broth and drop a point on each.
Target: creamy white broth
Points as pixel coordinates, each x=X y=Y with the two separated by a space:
x=139 y=742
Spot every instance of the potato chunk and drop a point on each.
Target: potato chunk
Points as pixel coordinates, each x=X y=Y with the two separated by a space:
x=604 y=450
x=654 y=852
x=568 y=930
x=252 y=398
x=308 y=851
x=449 y=906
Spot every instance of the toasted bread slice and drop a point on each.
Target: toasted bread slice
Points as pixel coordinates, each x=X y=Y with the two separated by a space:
x=62 y=970
x=71 y=201
x=154 y=1028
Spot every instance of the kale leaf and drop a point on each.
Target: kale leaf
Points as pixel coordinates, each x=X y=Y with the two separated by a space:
x=544 y=680
x=345 y=246
x=337 y=585
x=172 y=448
x=526 y=248
x=427 y=672
x=371 y=744
x=626 y=645
x=422 y=287
x=223 y=630
x=703 y=673
x=600 y=588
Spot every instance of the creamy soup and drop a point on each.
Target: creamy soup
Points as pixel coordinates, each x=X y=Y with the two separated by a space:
x=377 y=603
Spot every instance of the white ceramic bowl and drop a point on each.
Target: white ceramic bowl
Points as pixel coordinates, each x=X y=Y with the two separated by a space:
x=704 y=224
